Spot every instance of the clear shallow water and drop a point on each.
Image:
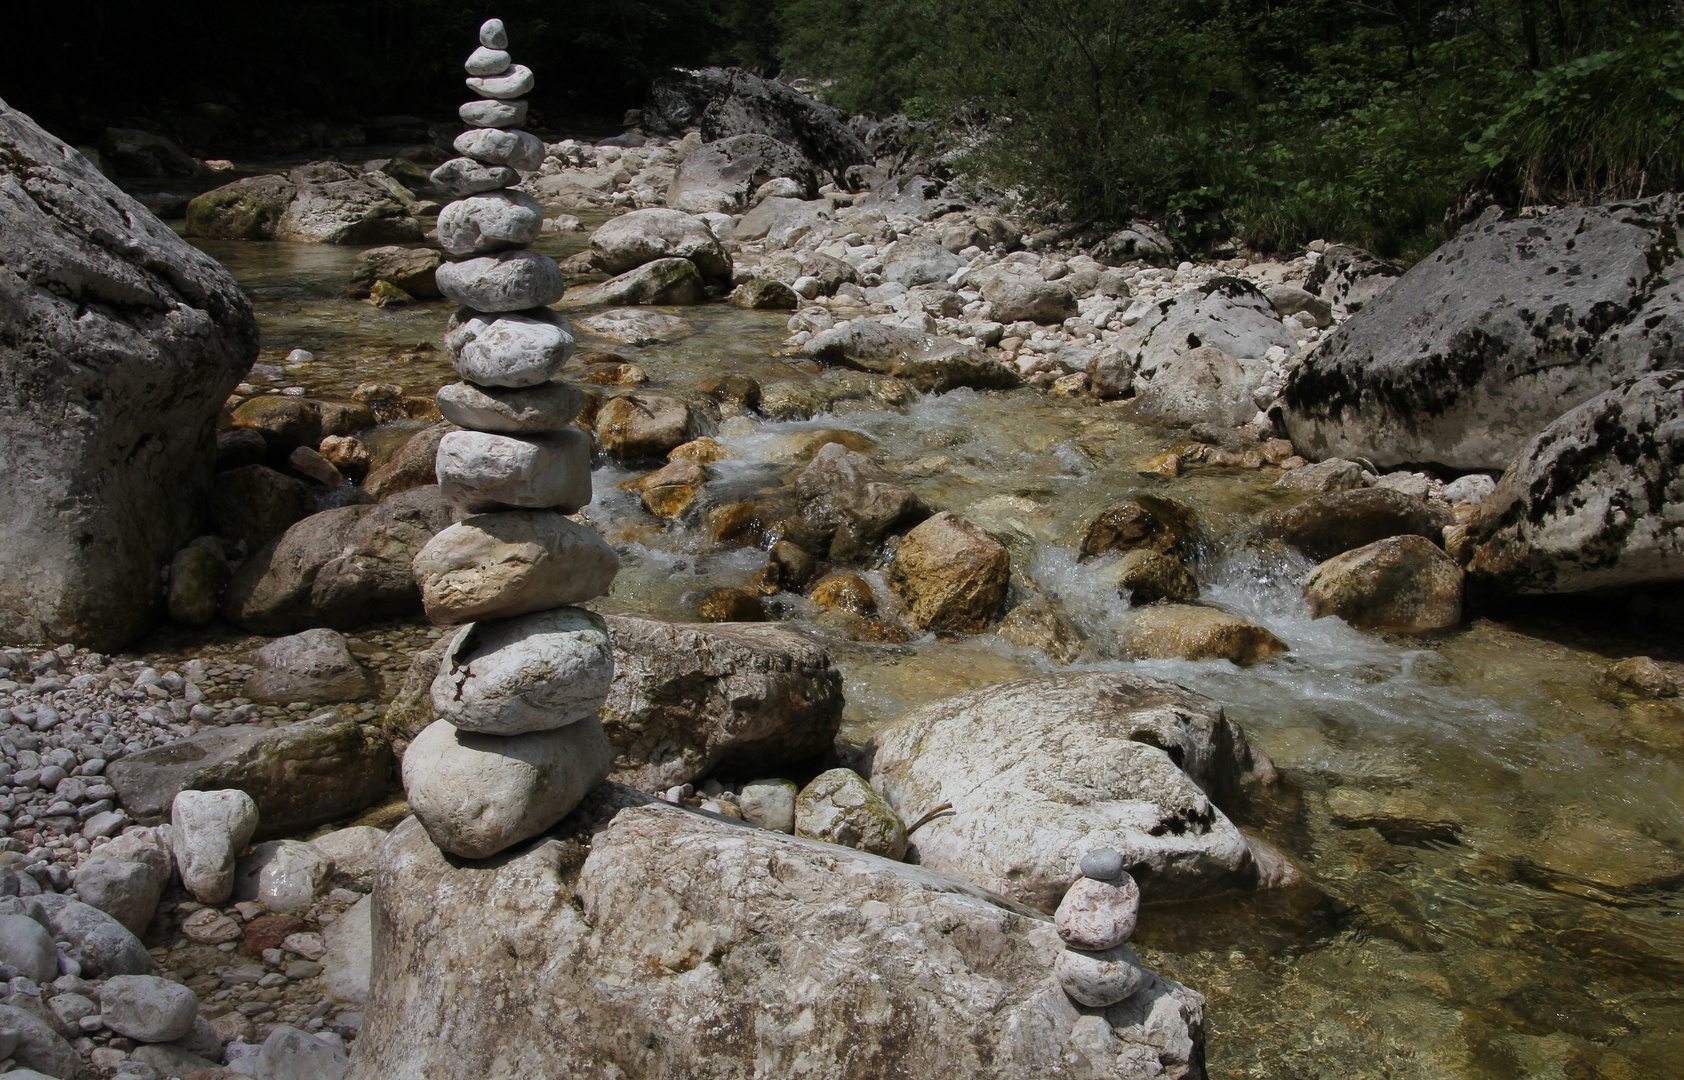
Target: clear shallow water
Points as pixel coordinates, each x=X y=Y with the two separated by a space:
x=1517 y=915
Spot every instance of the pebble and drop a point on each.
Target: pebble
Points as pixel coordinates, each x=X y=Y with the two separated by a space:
x=1102 y=864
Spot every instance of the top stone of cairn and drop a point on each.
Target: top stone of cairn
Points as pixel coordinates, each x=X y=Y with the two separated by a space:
x=492 y=35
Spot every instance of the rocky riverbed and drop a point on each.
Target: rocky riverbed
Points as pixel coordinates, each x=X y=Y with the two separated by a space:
x=952 y=455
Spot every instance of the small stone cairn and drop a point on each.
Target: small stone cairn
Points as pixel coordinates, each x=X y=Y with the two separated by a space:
x=518 y=743
x=1096 y=918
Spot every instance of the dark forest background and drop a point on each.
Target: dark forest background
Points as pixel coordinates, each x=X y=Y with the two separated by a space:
x=1273 y=121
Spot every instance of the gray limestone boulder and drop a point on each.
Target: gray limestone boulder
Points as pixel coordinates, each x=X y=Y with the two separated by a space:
x=688 y=699
x=509 y=281
x=315 y=666
x=479 y=794
x=720 y=176
x=1483 y=344
x=101 y=944
x=465 y=176
x=1201 y=386
x=1595 y=501
x=527 y=673
x=1018 y=297
x=147 y=1008
x=283 y=875
x=540 y=964
x=780 y=221
x=247 y=209
x=509 y=350
x=119 y=342
x=499 y=146
x=919 y=262
x=348 y=963
x=1224 y=313
x=339 y=568
x=490 y=221
x=339 y=204
x=27 y=948
x=1042 y=770
x=1347 y=276
x=664 y=281
x=208 y=829
x=291 y=1054
x=512 y=411
x=931 y=364
x=643 y=236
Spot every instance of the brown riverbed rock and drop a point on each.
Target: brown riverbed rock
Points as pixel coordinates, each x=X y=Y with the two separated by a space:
x=1402 y=583
x=849 y=503
x=1326 y=525
x=952 y=575
x=413 y=466
x=1187 y=632
x=642 y=425
x=1149 y=577
x=1140 y=521
x=847 y=593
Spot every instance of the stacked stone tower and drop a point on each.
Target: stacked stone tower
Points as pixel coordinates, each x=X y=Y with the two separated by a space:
x=518 y=743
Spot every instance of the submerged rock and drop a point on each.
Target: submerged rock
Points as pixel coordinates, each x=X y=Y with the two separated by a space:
x=1044 y=769
x=849 y=503
x=680 y=906
x=1151 y=522
x=1186 y=632
x=1326 y=525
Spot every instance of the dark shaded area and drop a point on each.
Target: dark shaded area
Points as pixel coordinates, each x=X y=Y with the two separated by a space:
x=221 y=75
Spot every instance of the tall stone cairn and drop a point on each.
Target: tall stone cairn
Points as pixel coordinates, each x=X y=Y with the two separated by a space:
x=518 y=743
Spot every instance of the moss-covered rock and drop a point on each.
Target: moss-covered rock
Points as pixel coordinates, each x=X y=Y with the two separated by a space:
x=839 y=807
x=247 y=209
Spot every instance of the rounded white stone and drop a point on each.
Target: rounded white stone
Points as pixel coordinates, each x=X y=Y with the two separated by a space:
x=1098 y=915
x=493 y=221
x=500 y=146
x=208 y=830
x=465 y=176
x=498 y=114
x=492 y=35
x=494 y=566
x=1100 y=978
x=511 y=281
x=508 y=350
x=533 y=410
x=481 y=472
x=484 y=61
x=532 y=672
x=515 y=82
x=477 y=794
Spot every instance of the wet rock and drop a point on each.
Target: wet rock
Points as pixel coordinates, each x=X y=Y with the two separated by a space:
x=1596 y=501
x=930 y=364
x=255 y=504
x=507 y=282
x=1641 y=676
x=481 y=472
x=1149 y=577
x=438 y=917
x=769 y=804
x=209 y=828
x=689 y=699
x=952 y=574
x=1044 y=769
x=719 y=176
x=1203 y=385
x=1403 y=583
x=1475 y=350
x=1334 y=474
x=847 y=593
x=1148 y=522
x=731 y=605
x=664 y=281
x=291 y=1054
x=763 y=294
x=839 y=807
x=1100 y=978
x=478 y=794
x=527 y=673
x=1038 y=623
x=147 y=1008
x=283 y=875
x=410 y=269
x=337 y=204
x=197 y=578
x=340 y=568
x=315 y=666
x=643 y=236
x=285 y=422
x=300 y=775
x=247 y=209
x=1097 y=915
x=512 y=563
x=411 y=467
x=118 y=335
x=795 y=565
x=1339 y=521
x=1402 y=817
x=634 y=327
x=849 y=503
x=1574 y=852
x=1185 y=632
x=27 y=948
x=1019 y=297
x=642 y=425
x=512 y=349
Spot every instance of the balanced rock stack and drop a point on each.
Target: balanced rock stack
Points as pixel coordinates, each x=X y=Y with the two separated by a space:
x=518 y=743
x=1096 y=918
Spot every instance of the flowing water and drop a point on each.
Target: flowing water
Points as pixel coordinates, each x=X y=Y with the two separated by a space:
x=1510 y=910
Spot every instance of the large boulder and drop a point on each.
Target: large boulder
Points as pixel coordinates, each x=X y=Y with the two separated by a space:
x=931 y=364
x=1344 y=275
x=1480 y=346
x=1403 y=583
x=688 y=698
x=919 y=262
x=338 y=204
x=1201 y=386
x=596 y=944
x=1016 y=297
x=849 y=503
x=642 y=236
x=247 y=209
x=119 y=342
x=664 y=281
x=300 y=775
x=339 y=568
x=1224 y=313
x=1596 y=501
x=780 y=222
x=723 y=102
x=1042 y=770
x=719 y=177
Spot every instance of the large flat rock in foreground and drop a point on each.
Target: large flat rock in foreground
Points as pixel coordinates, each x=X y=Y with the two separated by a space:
x=647 y=941
x=118 y=344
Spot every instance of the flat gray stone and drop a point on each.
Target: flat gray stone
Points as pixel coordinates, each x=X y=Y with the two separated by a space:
x=26 y=946
x=464 y=176
x=510 y=411
x=500 y=146
x=480 y=471
x=513 y=82
x=484 y=61
x=148 y=1008
x=510 y=281
x=483 y=113
x=528 y=673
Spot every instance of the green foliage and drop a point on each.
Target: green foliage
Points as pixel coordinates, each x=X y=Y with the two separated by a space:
x=1276 y=121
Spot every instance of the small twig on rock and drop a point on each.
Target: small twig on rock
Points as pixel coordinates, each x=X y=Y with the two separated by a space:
x=910 y=829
